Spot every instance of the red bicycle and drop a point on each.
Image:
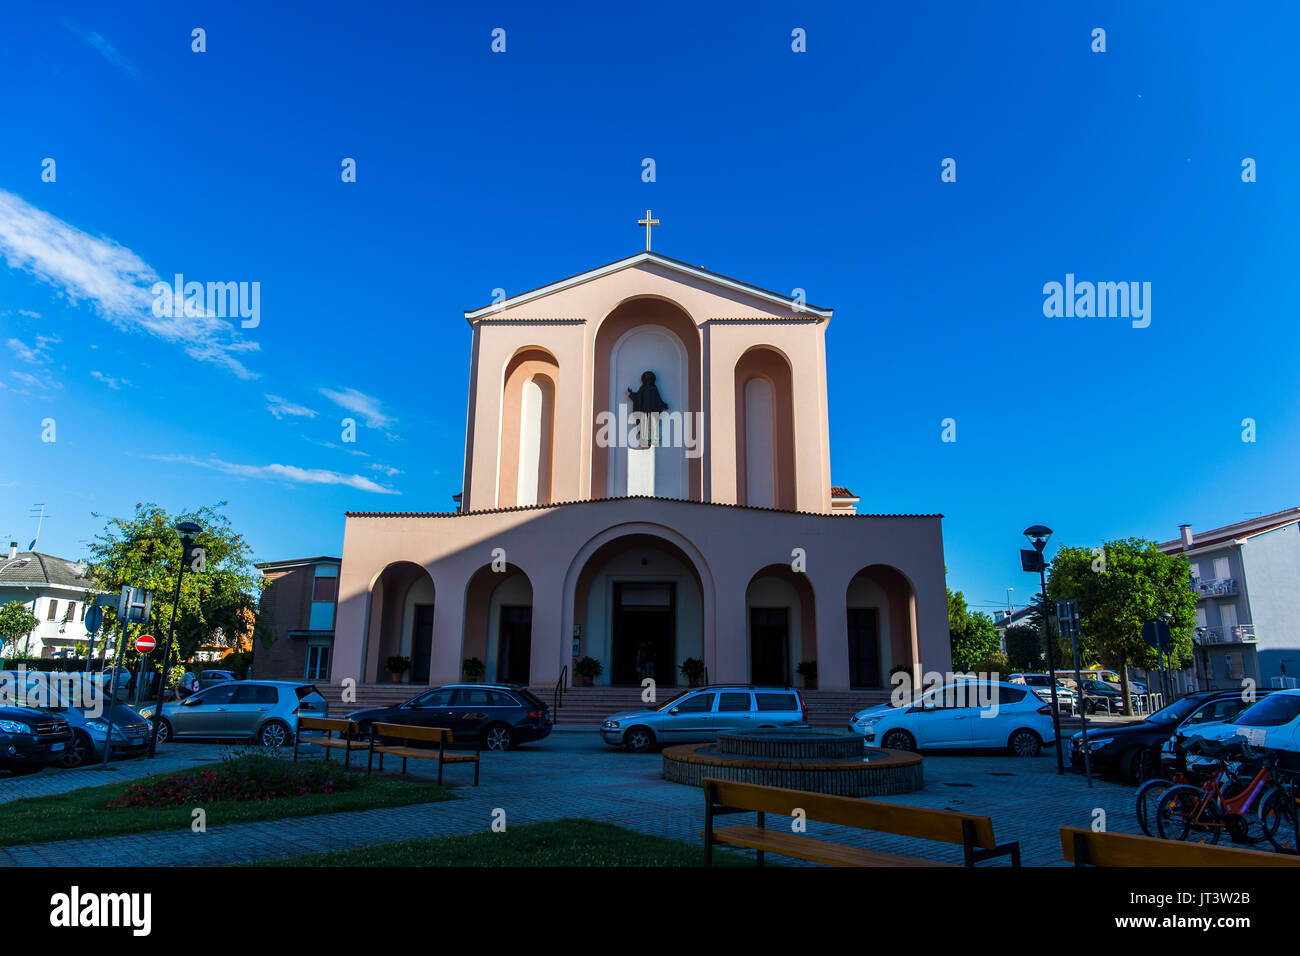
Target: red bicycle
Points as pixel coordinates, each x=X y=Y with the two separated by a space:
x=1229 y=801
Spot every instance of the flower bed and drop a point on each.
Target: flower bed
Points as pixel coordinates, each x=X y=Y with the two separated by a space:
x=249 y=777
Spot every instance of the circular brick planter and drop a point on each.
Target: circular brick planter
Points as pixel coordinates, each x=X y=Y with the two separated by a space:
x=865 y=774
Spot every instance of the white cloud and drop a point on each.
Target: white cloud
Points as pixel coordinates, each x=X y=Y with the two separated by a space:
x=114 y=383
x=34 y=382
x=368 y=407
x=280 y=407
x=290 y=473
x=36 y=354
x=113 y=279
x=105 y=48
x=388 y=470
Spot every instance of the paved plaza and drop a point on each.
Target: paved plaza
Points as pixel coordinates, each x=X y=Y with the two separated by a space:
x=573 y=774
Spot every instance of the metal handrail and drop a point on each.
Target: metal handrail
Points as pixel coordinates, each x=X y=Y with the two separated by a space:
x=559 y=688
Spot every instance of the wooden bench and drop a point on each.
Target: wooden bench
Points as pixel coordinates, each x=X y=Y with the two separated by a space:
x=349 y=738
x=973 y=833
x=1084 y=847
x=406 y=733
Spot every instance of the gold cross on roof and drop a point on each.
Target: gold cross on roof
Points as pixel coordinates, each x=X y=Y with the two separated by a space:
x=647 y=222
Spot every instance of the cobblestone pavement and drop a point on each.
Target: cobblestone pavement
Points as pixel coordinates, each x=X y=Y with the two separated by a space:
x=575 y=775
x=52 y=780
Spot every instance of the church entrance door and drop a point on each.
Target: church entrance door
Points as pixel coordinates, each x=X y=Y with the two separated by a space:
x=644 y=633
x=422 y=644
x=769 y=645
x=864 y=647
x=514 y=644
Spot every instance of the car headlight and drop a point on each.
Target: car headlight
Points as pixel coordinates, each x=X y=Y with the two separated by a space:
x=1100 y=744
x=15 y=727
x=610 y=725
x=97 y=723
x=145 y=712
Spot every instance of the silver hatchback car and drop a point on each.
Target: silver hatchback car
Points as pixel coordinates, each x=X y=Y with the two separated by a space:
x=265 y=711
x=697 y=716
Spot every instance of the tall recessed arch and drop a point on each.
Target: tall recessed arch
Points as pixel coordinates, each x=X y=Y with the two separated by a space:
x=526 y=474
x=764 y=396
x=881 y=625
x=402 y=598
x=498 y=623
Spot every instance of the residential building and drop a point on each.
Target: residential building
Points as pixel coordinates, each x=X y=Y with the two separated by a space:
x=56 y=591
x=1247 y=582
x=297 y=607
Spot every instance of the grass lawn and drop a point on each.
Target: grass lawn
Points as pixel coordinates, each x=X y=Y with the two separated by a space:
x=559 y=843
x=82 y=814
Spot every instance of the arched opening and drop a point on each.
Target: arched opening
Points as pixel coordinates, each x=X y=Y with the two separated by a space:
x=781 y=619
x=647 y=335
x=499 y=623
x=765 y=475
x=401 y=622
x=638 y=608
x=881 y=625
x=527 y=470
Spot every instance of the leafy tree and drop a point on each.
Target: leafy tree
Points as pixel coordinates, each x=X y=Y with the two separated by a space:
x=1024 y=648
x=217 y=603
x=1132 y=582
x=973 y=635
x=16 y=621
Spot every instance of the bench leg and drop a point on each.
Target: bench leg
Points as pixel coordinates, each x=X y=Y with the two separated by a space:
x=762 y=825
x=476 y=771
x=403 y=765
x=370 y=760
x=440 y=771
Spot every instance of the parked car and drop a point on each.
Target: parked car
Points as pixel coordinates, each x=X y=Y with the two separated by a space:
x=30 y=738
x=1102 y=696
x=265 y=711
x=1271 y=723
x=1133 y=750
x=499 y=716
x=208 y=678
x=1041 y=685
x=80 y=701
x=697 y=716
x=960 y=716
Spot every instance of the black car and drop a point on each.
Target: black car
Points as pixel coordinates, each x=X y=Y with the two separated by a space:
x=1133 y=750
x=30 y=738
x=500 y=716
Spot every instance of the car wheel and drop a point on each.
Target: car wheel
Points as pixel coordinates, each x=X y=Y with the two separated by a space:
x=639 y=740
x=274 y=733
x=898 y=740
x=1138 y=764
x=78 y=751
x=164 y=732
x=498 y=737
x=1025 y=743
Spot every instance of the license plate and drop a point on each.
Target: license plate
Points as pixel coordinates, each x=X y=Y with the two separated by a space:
x=55 y=747
x=137 y=741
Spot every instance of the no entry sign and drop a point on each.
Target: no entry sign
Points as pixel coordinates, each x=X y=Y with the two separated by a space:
x=145 y=643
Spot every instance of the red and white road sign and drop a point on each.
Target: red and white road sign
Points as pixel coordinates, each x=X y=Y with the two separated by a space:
x=145 y=643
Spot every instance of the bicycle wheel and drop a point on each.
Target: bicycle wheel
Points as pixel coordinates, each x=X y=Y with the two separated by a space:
x=1180 y=816
x=1277 y=816
x=1148 y=796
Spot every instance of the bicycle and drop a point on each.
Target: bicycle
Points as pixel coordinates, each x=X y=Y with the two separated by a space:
x=1278 y=808
x=1226 y=802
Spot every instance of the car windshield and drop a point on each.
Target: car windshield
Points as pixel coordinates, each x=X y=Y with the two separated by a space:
x=1178 y=709
x=1270 y=712
x=673 y=703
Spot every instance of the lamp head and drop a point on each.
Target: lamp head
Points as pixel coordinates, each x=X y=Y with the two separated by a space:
x=1038 y=535
x=188 y=530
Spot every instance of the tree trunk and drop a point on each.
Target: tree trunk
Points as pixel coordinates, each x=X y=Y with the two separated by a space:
x=1123 y=686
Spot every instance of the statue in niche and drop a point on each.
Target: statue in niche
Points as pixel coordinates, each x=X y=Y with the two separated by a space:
x=647 y=403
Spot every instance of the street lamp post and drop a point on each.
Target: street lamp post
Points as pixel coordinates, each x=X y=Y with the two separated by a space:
x=1038 y=536
x=188 y=530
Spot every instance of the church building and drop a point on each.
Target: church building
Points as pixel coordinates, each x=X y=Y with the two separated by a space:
x=647 y=480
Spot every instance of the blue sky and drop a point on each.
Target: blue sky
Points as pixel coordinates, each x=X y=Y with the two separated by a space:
x=816 y=170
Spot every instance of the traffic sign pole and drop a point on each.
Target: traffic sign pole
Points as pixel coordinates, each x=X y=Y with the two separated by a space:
x=112 y=694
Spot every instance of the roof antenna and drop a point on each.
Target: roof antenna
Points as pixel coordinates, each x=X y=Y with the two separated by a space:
x=40 y=519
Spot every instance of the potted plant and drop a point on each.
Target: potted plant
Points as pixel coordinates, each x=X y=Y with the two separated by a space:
x=397 y=666
x=473 y=668
x=808 y=671
x=586 y=671
x=693 y=670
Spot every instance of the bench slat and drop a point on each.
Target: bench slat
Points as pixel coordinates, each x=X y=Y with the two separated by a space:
x=326 y=723
x=408 y=732
x=1127 y=849
x=809 y=848
x=940 y=825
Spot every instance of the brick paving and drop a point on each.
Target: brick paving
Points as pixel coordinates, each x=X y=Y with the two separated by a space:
x=575 y=775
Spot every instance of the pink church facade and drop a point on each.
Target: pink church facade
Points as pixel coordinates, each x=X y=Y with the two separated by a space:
x=707 y=531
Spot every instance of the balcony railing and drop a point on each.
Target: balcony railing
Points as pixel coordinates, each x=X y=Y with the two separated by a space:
x=1238 y=634
x=1215 y=587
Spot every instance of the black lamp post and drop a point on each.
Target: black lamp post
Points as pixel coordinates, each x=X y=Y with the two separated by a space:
x=1038 y=536
x=188 y=530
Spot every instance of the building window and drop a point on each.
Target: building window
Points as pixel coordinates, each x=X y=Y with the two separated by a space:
x=71 y=612
x=54 y=610
x=318 y=662
x=324 y=589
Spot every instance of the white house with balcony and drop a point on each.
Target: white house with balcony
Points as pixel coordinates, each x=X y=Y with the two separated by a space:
x=56 y=591
x=1247 y=582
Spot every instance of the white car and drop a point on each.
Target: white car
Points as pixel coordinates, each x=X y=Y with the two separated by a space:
x=1271 y=723
x=970 y=715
